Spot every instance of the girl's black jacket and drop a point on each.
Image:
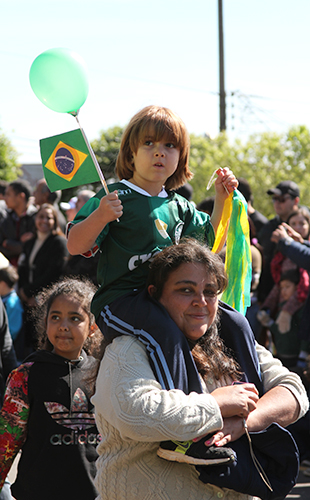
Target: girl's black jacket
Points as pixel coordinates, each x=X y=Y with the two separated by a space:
x=59 y=454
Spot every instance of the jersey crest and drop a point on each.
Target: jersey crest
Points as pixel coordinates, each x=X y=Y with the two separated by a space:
x=161 y=228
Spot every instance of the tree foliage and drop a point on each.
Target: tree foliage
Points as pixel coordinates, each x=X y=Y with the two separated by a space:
x=106 y=149
x=9 y=166
x=264 y=160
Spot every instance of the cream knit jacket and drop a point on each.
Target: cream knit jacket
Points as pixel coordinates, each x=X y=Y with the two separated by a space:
x=134 y=414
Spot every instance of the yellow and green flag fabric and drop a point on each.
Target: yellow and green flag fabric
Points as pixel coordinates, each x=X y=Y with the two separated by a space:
x=66 y=161
x=238 y=260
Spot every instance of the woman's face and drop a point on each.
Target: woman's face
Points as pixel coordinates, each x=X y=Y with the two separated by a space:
x=190 y=297
x=300 y=224
x=45 y=220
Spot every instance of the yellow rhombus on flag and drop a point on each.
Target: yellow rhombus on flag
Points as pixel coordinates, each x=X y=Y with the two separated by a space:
x=66 y=161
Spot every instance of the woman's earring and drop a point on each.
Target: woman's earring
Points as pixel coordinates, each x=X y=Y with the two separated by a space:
x=92 y=329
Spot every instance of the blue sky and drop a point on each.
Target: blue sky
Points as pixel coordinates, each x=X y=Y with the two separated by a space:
x=165 y=52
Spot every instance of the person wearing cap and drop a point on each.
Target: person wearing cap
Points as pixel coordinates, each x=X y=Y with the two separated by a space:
x=285 y=198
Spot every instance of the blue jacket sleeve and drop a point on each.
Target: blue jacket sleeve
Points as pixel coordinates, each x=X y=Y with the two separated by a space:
x=297 y=252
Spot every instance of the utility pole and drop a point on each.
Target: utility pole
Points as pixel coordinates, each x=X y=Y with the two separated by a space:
x=221 y=67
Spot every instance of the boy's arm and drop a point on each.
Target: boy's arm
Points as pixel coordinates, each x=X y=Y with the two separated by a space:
x=83 y=235
x=225 y=183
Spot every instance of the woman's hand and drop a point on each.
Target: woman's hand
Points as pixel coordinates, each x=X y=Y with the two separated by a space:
x=292 y=233
x=285 y=231
x=233 y=428
x=236 y=400
x=279 y=234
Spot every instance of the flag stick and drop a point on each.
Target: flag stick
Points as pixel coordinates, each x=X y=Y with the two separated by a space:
x=93 y=156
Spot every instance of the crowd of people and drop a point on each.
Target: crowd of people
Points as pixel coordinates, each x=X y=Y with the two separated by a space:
x=116 y=348
x=34 y=253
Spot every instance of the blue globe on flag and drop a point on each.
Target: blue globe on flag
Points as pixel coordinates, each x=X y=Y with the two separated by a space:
x=64 y=161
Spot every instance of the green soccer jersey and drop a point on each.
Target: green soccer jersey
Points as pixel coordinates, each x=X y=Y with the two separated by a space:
x=148 y=224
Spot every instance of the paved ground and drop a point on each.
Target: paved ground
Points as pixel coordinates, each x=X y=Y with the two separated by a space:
x=302 y=489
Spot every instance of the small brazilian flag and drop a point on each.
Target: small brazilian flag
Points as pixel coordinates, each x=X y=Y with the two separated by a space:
x=66 y=161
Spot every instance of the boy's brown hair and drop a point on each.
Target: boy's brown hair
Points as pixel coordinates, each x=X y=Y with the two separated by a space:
x=155 y=122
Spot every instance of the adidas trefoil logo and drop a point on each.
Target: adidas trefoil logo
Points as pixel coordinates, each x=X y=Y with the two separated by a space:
x=79 y=418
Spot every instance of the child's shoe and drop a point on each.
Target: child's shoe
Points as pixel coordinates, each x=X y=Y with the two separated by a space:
x=195 y=453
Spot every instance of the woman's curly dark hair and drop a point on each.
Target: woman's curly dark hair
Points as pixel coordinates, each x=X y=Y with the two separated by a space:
x=212 y=358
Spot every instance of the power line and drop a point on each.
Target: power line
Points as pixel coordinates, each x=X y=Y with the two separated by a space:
x=249 y=114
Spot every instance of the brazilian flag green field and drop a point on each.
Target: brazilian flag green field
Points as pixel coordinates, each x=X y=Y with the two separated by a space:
x=66 y=161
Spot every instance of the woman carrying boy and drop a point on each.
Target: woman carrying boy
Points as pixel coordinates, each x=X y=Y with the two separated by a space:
x=137 y=219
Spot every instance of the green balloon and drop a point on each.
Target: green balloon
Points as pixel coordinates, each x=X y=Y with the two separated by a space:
x=58 y=78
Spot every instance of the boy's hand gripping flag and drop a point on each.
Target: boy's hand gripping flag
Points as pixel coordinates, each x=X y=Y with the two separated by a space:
x=238 y=260
x=66 y=161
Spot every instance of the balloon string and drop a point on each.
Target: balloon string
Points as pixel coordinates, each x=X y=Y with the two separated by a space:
x=93 y=156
